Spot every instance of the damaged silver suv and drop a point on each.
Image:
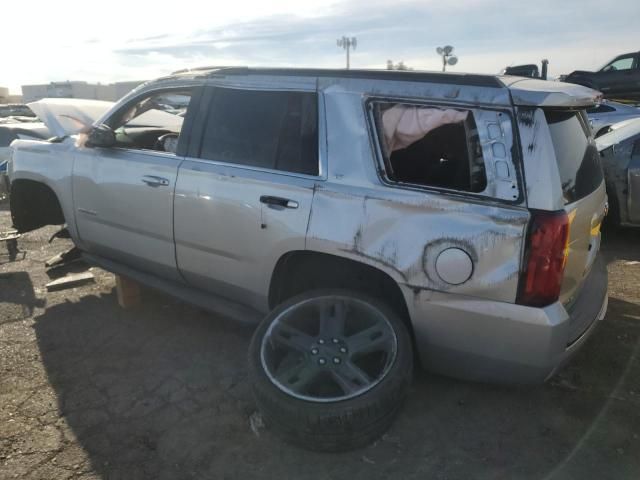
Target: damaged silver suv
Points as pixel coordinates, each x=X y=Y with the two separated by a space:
x=376 y=218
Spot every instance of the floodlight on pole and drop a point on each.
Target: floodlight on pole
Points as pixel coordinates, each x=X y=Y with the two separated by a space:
x=448 y=58
x=347 y=43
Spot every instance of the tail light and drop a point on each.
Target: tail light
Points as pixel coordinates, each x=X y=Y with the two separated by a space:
x=545 y=258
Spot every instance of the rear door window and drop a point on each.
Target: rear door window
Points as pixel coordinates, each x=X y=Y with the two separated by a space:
x=576 y=154
x=267 y=129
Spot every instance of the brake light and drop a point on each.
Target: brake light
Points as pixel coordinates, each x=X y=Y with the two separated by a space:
x=545 y=258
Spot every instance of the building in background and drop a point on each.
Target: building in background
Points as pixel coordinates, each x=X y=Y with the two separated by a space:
x=6 y=97
x=78 y=89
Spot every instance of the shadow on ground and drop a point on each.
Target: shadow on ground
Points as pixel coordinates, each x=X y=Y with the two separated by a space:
x=18 y=296
x=161 y=392
x=621 y=244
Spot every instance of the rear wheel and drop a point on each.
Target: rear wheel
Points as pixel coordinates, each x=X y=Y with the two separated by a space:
x=330 y=369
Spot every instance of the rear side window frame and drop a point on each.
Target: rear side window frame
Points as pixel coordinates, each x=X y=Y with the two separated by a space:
x=198 y=130
x=516 y=195
x=581 y=116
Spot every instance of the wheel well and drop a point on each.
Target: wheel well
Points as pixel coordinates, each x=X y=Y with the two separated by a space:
x=300 y=271
x=34 y=205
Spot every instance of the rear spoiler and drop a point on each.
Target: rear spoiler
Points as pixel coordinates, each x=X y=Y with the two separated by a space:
x=539 y=93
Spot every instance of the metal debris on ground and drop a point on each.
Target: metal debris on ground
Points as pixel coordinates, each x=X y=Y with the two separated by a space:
x=70 y=281
x=72 y=266
x=63 y=257
x=62 y=233
x=11 y=238
x=256 y=423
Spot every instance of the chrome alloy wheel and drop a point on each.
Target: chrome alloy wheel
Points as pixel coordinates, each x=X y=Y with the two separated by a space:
x=328 y=348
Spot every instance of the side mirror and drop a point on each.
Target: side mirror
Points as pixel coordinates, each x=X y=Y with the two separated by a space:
x=101 y=136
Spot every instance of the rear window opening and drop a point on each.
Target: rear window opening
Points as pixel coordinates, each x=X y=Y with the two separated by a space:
x=576 y=153
x=432 y=147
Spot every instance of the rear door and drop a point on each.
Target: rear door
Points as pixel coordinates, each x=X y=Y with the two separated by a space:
x=583 y=192
x=243 y=195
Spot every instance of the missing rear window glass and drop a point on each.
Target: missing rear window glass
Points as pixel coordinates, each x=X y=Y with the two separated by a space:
x=429 y=146
x=576 y=154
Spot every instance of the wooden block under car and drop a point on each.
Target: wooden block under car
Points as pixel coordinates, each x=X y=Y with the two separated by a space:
x=70 y=281
x=128 y=292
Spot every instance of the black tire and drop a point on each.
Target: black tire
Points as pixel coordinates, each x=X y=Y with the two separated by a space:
x=335 y=425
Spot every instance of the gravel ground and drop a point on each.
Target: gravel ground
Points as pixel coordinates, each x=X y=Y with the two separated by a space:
x=88 y=391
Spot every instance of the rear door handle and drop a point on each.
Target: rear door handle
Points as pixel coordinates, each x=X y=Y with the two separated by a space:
x=278 y=201
x=154 y=181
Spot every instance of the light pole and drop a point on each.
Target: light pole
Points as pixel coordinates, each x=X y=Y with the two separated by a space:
x=448 y=58
x=347 y=44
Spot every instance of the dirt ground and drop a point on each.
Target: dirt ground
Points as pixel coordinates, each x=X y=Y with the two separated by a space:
x=88 y=391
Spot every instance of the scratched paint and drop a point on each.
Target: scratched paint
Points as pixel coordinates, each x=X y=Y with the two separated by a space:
x=404 y=240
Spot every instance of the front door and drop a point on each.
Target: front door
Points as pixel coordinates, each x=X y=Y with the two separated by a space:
x=245 y=200
x=123 y=195
x=620 y=77
x=124 y=205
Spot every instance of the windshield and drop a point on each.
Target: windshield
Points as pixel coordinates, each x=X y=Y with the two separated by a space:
x=576 y=154
x=160 y=111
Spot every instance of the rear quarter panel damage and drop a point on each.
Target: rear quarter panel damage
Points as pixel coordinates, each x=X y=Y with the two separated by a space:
x=402 y=233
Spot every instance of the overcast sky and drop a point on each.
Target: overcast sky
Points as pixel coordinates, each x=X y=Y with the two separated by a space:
x=106 y=41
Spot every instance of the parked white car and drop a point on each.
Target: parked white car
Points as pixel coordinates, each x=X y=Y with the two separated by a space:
x=606 y=114
x=620 y=158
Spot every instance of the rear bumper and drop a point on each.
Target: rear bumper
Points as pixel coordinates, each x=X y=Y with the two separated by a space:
x=491 y=341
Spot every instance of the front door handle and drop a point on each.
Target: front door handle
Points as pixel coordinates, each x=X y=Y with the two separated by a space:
x=278 y=202
x=153 y=181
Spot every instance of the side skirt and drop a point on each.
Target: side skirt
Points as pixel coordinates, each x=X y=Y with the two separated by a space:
x=205 y=300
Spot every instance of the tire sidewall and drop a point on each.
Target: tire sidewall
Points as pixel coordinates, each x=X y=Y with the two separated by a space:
x=385 y=397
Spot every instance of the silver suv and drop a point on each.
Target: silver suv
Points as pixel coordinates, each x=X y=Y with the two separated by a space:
x=374 y=217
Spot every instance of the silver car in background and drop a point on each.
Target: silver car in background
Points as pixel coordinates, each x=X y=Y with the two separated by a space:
x=364 y=216
x=620 y=157
x=606 y=114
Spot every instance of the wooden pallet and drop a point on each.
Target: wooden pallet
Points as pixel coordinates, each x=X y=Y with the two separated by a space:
x=128 y=292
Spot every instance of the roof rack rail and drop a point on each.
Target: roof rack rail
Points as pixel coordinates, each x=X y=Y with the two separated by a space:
x=199 y=69
x=478 y=80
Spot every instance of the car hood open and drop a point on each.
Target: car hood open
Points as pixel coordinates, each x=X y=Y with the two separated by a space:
x=68 y=116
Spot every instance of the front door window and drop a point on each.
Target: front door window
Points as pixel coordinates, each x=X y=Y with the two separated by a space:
x=152 y=123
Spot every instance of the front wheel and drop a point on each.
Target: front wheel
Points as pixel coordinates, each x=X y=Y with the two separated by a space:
x=330 y=369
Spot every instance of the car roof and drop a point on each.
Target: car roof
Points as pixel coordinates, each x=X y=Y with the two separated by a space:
x=620 y=132
x=472 y=79
x=623 y=107
x=522 y=91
